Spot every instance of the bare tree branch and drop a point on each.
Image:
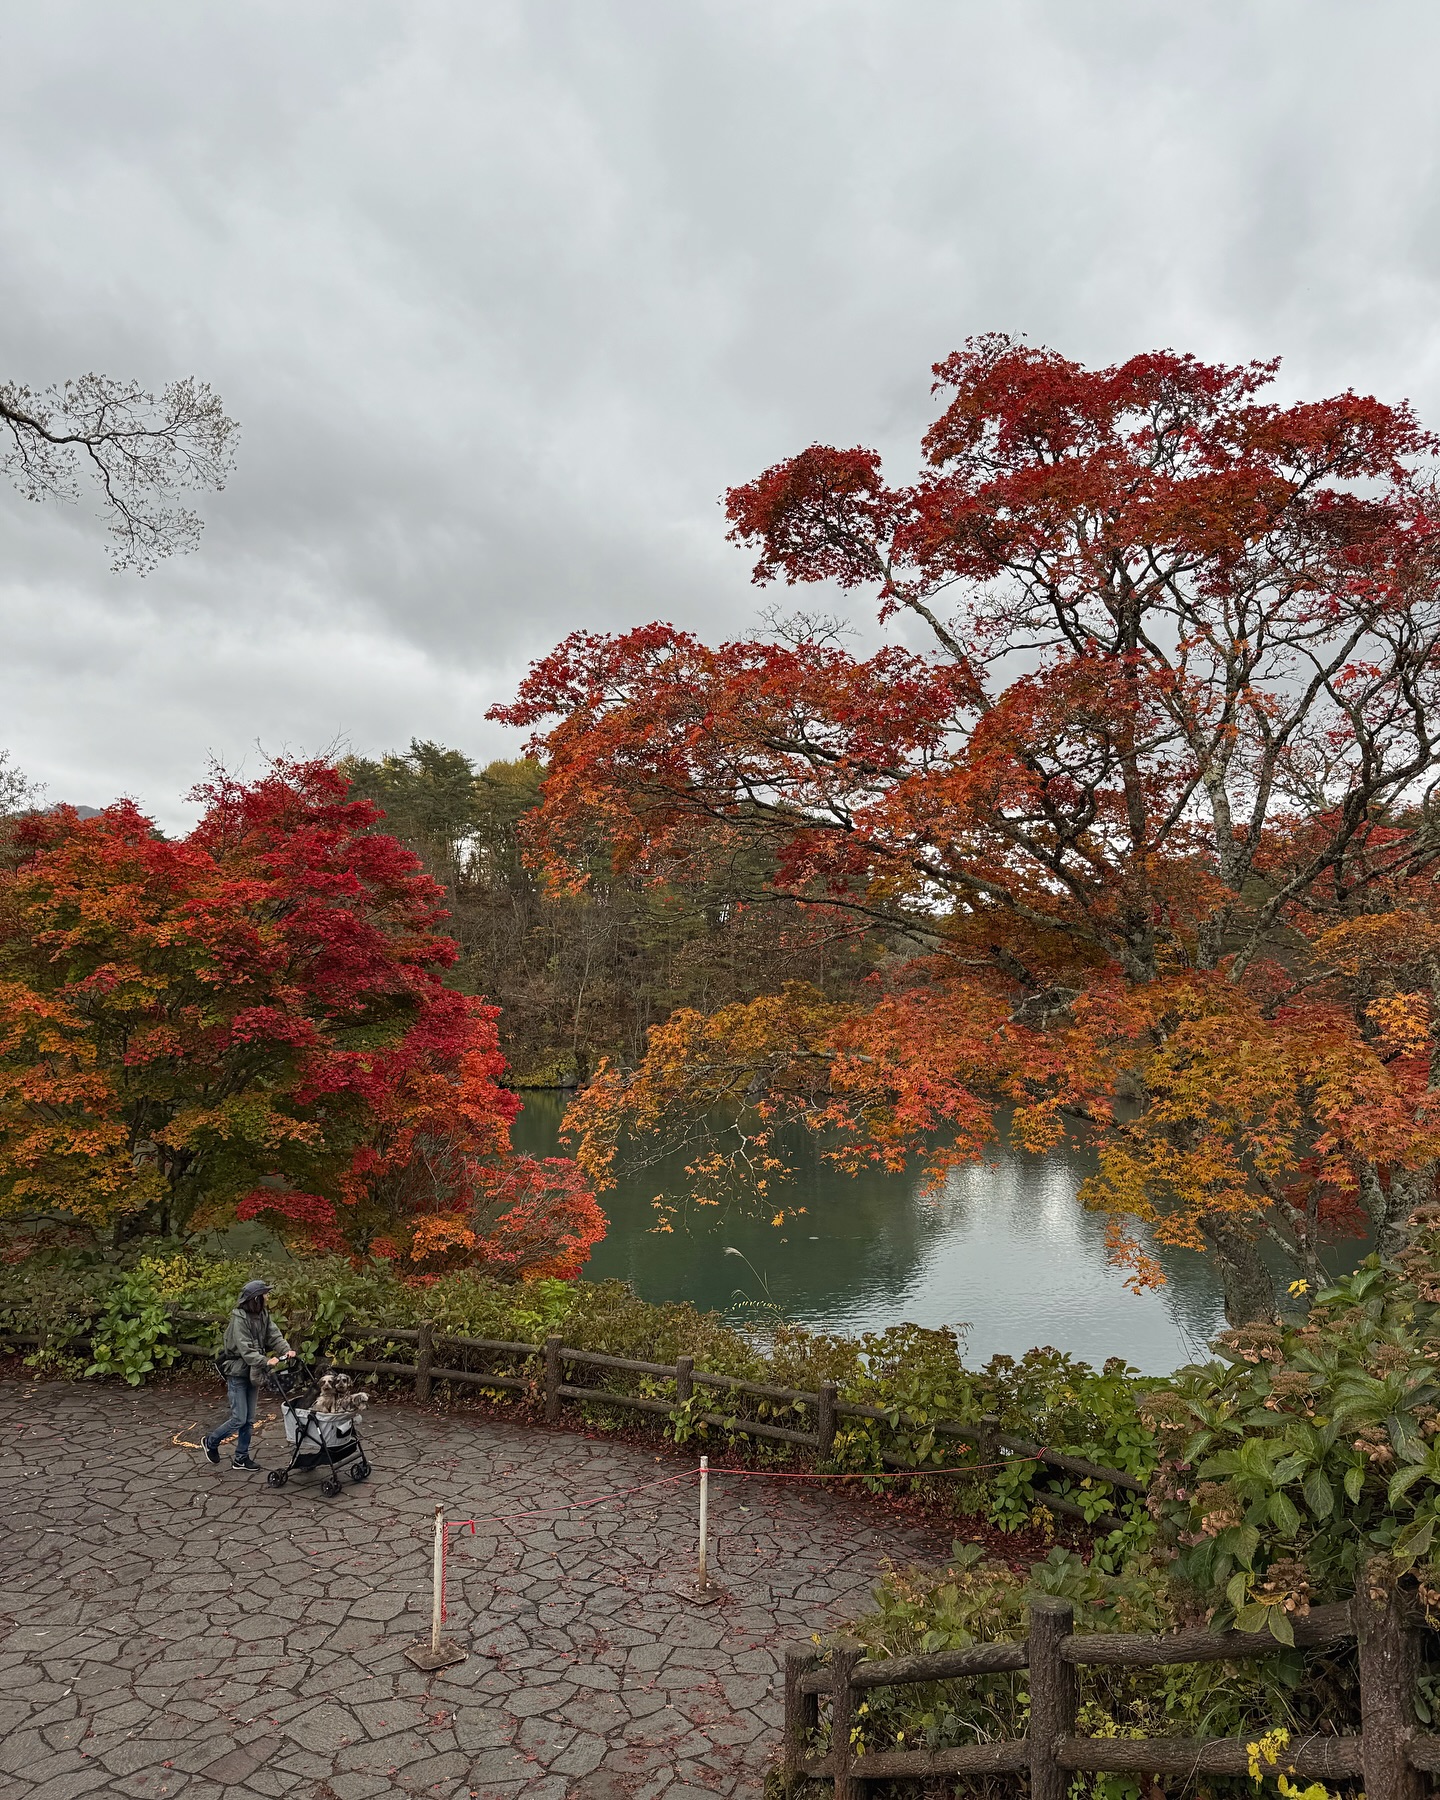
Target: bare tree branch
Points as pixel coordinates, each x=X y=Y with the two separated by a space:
x=141 y=452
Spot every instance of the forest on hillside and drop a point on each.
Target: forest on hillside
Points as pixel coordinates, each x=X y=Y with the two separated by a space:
x=582 y=973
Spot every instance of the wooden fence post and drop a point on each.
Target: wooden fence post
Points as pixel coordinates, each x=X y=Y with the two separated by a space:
x=842 y=1718
x=825 y=1418
x=1054 y=1693
x=424 y=1360
x=552 y=1380
x=684 y=1379
x=802 y=1712
x=1389 y=1664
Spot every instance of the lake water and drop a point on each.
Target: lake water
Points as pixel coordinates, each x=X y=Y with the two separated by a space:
x=1005 y=1250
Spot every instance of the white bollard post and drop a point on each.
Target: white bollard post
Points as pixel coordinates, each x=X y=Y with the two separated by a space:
x=702 y=1581
x=703 y=1592
x=437 y=1607
x=436 y=1652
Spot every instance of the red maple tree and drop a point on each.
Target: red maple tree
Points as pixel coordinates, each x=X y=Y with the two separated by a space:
x=1143 y=801
x=251 y=1022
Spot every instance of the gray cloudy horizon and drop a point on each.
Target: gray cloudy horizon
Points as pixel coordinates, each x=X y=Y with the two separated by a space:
x=504 y=295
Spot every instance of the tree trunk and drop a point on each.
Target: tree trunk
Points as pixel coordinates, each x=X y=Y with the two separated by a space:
x=1249 y=1286
x=1391 y=1212
x=1390 y=1209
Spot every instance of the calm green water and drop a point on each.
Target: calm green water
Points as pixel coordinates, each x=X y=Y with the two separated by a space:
x=1005 y=1250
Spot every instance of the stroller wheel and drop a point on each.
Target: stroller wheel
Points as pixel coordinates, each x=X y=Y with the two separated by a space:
x=359 y=1470
x=277 y=1477
x=330 y=1488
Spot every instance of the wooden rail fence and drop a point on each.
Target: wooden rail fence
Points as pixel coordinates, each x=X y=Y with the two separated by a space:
x=555 y=1357
x=1391 y=1755
x=824 y=1403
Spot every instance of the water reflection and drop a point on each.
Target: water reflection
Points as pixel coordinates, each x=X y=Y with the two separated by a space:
x=1005 y=1249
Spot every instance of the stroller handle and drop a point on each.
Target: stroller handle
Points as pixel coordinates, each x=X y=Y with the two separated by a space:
x=290 y=1372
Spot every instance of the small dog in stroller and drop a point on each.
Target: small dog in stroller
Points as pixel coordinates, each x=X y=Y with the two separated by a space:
x=322 y=1425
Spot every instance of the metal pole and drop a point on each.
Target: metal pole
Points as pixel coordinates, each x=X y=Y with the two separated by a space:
x=703 y=1581
x=437 y=1609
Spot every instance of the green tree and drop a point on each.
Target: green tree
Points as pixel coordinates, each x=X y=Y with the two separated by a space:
x=585 y=970
x=431 y=799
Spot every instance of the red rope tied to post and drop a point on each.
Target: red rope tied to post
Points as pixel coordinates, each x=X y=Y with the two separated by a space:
x=577 y=1505
x=445 y=1529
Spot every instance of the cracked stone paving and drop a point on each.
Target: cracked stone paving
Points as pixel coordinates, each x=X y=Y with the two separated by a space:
x=171 y=1628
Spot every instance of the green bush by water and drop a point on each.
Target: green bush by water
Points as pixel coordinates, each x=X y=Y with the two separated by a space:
x=1300 y=1464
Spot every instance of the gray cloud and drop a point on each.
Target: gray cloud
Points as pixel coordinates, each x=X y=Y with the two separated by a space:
x=504 y=295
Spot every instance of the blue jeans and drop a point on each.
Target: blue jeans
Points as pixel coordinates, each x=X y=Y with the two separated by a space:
x=243 y=1395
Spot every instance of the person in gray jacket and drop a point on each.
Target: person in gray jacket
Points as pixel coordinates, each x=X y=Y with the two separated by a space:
x=252 y=1344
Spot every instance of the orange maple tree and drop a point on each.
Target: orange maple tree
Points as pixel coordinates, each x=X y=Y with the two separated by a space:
x=1142 y=802
x=251 y=1022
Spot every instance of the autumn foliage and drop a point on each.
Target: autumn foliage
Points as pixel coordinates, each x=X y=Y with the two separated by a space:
x=250 y=1022
x=1141 y=800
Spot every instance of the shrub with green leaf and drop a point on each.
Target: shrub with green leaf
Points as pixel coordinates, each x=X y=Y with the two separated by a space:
x=135 y=1335
x=1307 y=1458
x=920 y=1378
x=975 y=1601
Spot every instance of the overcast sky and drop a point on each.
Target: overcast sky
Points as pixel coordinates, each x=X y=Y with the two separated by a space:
x=504 y=296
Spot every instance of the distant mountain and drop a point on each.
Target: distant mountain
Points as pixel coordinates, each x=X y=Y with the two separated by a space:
x=85 y=812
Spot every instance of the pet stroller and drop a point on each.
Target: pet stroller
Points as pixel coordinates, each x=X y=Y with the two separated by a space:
x=328 y=1437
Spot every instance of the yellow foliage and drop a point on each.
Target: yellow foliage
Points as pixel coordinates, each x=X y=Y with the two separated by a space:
x=1263 y=1758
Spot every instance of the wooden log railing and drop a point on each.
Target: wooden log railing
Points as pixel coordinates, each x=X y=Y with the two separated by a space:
x=825 y=1404
x=553 y=1358
x=1388 y=1755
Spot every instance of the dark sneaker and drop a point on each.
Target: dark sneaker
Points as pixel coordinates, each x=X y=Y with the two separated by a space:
x=212 y=1451
x=244 y=1462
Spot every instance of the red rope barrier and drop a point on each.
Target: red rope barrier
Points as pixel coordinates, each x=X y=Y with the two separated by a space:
x=866 y=1475
x=577 y=1505
x=647 y=1487
x=746 y=1474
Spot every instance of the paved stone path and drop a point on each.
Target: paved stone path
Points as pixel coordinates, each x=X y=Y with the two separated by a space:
x=167 y=1627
